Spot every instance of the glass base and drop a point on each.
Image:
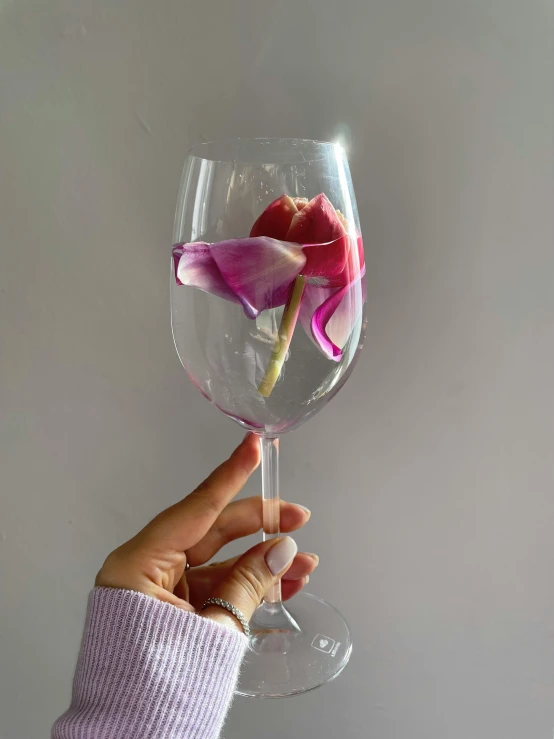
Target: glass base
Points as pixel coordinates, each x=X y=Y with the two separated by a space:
x=294 y=649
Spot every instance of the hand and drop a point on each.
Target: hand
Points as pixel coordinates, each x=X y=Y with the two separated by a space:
x=194 y=530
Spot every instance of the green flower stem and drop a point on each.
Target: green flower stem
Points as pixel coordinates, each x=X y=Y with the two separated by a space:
x=284 y=337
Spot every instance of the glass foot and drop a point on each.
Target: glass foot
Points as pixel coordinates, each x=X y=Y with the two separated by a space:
x=294 y=649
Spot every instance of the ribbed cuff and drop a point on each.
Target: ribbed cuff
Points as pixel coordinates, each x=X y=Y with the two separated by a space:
x=149 y=670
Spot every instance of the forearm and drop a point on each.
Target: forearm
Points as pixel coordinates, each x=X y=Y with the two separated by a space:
x=147 y=669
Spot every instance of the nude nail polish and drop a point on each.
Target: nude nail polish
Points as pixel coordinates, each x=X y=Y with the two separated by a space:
x=281 y=555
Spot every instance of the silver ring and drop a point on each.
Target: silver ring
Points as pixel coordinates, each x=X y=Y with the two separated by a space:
x=232 y=609
x=187 y=567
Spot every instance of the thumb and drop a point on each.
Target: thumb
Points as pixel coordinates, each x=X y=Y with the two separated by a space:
x=251 y=577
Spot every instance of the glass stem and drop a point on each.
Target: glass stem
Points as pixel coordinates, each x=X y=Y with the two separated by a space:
x=271 y=501
x=284 y=337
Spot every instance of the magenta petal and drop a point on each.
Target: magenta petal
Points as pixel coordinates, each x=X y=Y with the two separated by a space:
x=195 y=266
x=319 y=322
x=330 y=314
x=258 y=270
x=177 y=253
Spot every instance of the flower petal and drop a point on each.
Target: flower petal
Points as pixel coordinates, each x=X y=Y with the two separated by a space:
x=326 y=244
x=328 y=314
x=196 y=267
x=259 y=270
x=355 y=265
x=276 y=218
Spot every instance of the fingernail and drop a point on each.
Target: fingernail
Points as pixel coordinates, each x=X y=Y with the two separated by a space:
x=313 y=556
x=246 y=435
x=306 y=510
x=306 y=579
x=281 y=555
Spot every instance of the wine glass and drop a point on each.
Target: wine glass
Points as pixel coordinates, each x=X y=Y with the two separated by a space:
x=267 y=308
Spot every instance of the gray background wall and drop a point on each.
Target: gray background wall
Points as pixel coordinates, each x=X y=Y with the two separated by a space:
x=430 y=476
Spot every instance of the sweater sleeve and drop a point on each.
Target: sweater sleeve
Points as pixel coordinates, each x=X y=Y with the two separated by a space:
x=147 y=669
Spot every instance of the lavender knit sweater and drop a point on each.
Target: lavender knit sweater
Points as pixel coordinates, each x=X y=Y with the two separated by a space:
x=149 y=670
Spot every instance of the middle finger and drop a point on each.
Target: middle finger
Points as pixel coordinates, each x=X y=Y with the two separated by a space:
x=242 y=518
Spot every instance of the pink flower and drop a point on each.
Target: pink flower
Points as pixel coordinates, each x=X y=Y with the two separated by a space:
x=292 y=237
x=337 y=301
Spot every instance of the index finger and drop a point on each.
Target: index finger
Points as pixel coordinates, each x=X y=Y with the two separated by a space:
x=186 y=522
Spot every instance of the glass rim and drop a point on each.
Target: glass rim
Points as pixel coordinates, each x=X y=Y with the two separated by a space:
x=201 y=149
